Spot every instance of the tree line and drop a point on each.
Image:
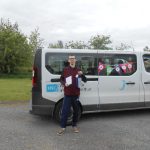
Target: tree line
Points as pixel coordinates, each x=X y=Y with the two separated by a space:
x=17 y=50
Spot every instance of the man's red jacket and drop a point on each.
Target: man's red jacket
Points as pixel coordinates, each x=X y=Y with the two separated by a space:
x=71 y=90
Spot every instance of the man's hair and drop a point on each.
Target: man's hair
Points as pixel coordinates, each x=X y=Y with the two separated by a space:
x=70 y=55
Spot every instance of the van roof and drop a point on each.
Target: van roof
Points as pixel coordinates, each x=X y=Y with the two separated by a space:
x=91 y=50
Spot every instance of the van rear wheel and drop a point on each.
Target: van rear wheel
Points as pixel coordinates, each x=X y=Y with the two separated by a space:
x=57 y=113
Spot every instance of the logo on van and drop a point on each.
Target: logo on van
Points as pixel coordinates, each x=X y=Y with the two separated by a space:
x=52 y=88
x=123 y=84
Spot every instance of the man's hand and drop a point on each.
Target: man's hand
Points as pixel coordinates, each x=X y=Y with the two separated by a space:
x=66 y=84
x=80 y=72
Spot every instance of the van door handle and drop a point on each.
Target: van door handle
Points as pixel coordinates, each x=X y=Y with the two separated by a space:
x=130 y=83
x=92 y=79
x=147 y=82
x=55 y=80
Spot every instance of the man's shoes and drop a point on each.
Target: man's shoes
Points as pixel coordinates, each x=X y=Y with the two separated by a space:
x=61 y=131
x=75 y=130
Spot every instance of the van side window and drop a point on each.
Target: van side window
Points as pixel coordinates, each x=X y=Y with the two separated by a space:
x=146 y=60
x=117 y=64
x=87 y=63
x=55 y=63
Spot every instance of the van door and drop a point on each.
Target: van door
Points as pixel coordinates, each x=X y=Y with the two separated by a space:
x=89 y=96
x=52 y=66
x=146 y=78
x=119 y=81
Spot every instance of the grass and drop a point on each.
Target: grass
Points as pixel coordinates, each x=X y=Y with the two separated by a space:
x=16 y=75
x=15 y=89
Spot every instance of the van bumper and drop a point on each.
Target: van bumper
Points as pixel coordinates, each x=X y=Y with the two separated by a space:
x=40 y=105
x=42 y=110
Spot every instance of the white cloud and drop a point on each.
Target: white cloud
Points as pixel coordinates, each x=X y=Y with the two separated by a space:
x=124 y=20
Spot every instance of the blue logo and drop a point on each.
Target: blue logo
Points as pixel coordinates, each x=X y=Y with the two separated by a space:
x=52 y=88
x=123 y=85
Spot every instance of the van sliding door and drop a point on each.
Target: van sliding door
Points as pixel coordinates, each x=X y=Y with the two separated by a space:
x=119 y=81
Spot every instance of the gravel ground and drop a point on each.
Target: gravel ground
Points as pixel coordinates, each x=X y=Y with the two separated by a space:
x=126 y=130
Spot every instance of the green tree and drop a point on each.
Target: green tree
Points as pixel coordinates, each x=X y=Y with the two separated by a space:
x=123 y=46
x=14 y=48
x=35 y=41
x=96 y=42
x=146 y=48
x=59 y=44
x=100 y=42
x=76 y=45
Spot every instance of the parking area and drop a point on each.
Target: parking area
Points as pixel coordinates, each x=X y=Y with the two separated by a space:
x=125 y=130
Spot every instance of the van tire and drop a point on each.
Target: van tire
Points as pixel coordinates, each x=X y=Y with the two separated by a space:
x=57 y=113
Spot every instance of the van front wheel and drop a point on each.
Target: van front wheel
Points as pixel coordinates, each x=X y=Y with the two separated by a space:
x=57 y=113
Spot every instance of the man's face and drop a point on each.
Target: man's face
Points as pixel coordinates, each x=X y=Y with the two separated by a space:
x=72 y=60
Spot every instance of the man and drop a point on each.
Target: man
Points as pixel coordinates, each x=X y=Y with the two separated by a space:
x=69 y=79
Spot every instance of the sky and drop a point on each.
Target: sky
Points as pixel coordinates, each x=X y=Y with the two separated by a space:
x=126 y=21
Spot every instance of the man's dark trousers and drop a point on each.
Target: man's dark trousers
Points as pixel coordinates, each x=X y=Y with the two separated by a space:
x=67 y=103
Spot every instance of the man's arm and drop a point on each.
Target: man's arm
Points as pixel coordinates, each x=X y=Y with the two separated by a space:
x=62 y=79
x=83 y=77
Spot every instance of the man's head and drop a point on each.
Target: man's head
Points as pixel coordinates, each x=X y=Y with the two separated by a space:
x=72 y=60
